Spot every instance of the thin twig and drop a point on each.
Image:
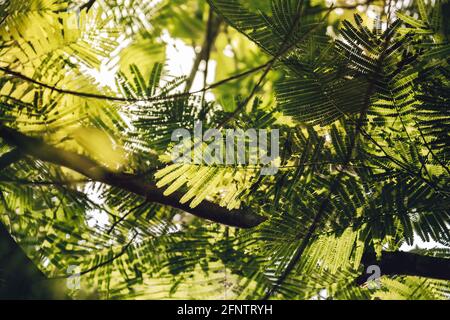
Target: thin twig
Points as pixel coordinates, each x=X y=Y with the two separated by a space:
x=212 y=31
x=162 y=97
x=345 y=7
x=102 y=264
x=126 y=215
x=446 y=168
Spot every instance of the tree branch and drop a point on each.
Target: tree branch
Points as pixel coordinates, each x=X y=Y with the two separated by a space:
x=408 y=264
x=88 y=5
x=38 y=149
x=326 y=201
x=104 y=263
x=162 y=97
x=212 y=31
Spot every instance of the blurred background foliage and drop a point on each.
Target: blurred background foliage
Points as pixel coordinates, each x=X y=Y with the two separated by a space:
x=111 y=79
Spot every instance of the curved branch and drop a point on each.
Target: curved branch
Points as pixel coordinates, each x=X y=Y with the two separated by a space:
x=38 y=149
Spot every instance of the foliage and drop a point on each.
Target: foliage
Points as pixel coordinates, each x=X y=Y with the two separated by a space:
x=362 y=109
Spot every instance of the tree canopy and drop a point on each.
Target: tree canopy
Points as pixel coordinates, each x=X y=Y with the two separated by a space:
x=94 y=206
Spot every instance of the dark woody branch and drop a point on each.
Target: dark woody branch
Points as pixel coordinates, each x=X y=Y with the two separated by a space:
x=407 y=264
x=38 y=149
